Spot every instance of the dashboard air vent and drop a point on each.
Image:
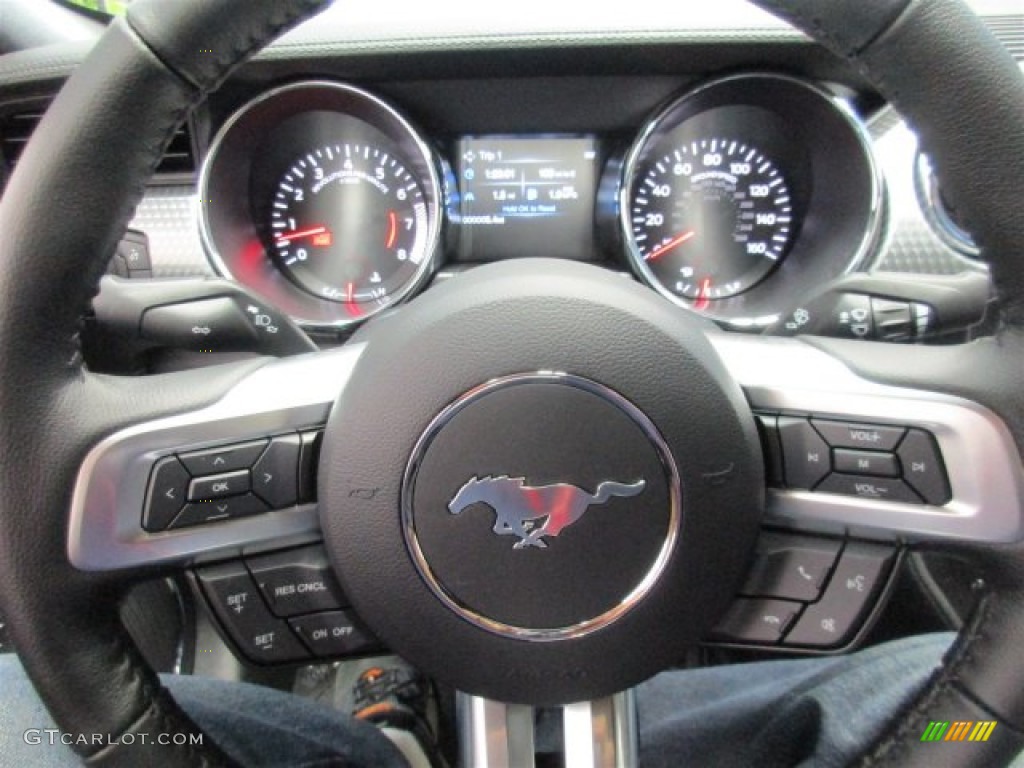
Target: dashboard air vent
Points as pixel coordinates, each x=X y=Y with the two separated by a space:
x=17 y=127
x=179 y=157
x=14 y=132
x=1009 y=30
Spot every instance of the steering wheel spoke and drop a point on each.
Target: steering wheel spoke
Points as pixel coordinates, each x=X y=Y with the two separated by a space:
x=852 y=454
x=601 y=733
x=217 y=480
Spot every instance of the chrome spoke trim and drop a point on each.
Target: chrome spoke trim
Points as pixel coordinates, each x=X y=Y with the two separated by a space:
x=105 y=531
x=982 y=462
x=492 y=733
x=600 y=733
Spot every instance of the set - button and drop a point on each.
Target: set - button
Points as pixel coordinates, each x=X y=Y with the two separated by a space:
x=871 y=461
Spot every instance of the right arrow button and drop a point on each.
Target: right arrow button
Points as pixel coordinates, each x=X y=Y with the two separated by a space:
x=275 y=475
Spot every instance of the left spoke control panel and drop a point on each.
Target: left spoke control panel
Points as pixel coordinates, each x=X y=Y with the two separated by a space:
x=232 y=481
x=284 y=607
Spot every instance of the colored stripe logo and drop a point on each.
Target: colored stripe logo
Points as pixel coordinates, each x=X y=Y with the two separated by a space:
x=958 y=730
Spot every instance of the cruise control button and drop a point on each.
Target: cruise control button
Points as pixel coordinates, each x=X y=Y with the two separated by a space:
x=922 y=467
x=275 y=474
x=226 y=459
x=234 y=598
x=168 y=488
x=841 y=434
x=219 y=486
x=791 y=567
x=298 y=581
x=867 y=487
x=334 y=634
x=756 y=621
x=199 y=512
x=865 y=463
x=805 y=455
x=858 y=577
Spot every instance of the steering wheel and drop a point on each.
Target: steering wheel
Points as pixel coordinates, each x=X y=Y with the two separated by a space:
x=550 y=369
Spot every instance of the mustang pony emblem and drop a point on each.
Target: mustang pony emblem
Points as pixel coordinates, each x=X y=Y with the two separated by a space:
x=518 y=507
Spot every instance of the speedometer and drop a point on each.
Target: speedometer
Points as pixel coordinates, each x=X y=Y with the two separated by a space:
x=348 y=223
x=710 y=218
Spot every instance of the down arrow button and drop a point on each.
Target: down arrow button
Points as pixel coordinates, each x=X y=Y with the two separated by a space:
x=275 y=474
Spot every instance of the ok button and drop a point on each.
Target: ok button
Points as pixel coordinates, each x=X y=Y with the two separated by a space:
x=219 y=486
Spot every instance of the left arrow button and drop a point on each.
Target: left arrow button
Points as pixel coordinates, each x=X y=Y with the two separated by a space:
x=167 y=488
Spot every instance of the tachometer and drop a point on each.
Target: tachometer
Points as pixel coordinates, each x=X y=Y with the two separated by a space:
x=348 y=223
x=323 y=199
x=710 y=218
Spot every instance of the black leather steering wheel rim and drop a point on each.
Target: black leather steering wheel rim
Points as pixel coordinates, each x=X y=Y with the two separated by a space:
x=124 y=103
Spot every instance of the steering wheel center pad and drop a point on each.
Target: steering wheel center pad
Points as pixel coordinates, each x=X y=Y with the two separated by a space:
x=634 y=398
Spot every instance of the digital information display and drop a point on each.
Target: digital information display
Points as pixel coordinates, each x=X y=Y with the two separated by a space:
x=526 y=196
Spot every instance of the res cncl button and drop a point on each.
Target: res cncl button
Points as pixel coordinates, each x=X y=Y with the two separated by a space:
x=298 y=581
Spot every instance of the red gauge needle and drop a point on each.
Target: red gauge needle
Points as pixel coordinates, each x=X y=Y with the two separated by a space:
x=300 y=233
x=704 y=296
x=392 y=230
x=351 y=305
x=661 y=250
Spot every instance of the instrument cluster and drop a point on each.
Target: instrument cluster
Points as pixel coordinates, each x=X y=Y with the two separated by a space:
x=732 y=200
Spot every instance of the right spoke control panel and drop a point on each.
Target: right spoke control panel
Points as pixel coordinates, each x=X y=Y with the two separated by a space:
x=875 y=462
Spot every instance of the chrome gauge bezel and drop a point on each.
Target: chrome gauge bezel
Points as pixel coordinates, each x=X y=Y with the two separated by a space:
x=929 y=197
x=221 y=221
x=752 y=310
